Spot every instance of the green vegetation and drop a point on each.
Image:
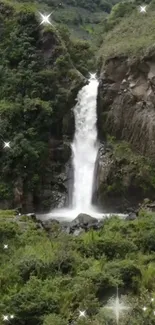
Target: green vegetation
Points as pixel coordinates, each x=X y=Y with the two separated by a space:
x=126 y=30
x=131 y=173
x=38 y=86
x=82 y=17
x=46 y=279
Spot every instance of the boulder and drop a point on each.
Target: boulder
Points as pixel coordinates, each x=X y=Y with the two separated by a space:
x=147 y=205
x=131 y=216
x=78 y=232
x=50 y=225
x=83 y=220
x=32 y=216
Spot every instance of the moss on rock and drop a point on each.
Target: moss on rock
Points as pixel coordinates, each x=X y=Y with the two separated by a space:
x=127 y=179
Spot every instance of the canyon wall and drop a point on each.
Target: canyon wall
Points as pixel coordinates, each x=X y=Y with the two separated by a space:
x=126 y=113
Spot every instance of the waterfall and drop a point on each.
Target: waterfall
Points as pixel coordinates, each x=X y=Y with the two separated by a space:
x=84 y=152
x=84 y=146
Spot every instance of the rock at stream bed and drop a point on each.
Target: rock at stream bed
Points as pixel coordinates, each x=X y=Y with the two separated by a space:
x=131 y=216
x=82 y=223
x=83 y=219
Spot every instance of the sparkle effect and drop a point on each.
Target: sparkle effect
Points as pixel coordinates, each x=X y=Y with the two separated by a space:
x=142 y=9
x=150 y=306
x=117 y=307
x=7 y=317
x=6 y=144
x=45 y=19
x=82 y=313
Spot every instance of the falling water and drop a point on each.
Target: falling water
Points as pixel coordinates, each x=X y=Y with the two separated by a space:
x=84 y=146
x=84 y=151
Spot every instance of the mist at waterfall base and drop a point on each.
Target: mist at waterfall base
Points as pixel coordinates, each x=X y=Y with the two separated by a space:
x=84 y=154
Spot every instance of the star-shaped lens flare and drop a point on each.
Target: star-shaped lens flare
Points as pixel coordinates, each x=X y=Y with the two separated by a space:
x=6 y=144
x=150 y=306
x=117 y=307
x=82 y=313
x=5 y=317
x=45 y=19
x=142 y=9
x=5 y=246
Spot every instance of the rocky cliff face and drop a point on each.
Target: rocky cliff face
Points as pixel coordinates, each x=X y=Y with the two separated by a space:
x=126 y=101
x=126 y=110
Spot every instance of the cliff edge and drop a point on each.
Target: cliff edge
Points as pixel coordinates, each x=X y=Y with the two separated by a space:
x=126 y=112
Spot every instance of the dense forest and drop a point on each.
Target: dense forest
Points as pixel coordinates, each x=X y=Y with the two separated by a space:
x=47 y=275
x=81 y=17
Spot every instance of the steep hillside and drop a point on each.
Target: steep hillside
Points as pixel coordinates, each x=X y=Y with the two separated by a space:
x=127 y=31
x=38 y=87
x=81 y=17
x=126 y=104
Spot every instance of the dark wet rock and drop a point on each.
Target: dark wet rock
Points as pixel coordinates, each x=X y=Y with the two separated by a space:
x=78 y=232
x=129 y=210
x=151 y=206
x=147 y=205
x=128 y=115
x=50 y=224
x=131 y=216
x=83 y=220
x=125 y=105
x=79 y=225
x=32 y=216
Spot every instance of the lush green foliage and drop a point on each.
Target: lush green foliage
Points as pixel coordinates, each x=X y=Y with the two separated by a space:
x=126 y=30
x=82 y=17
x=132 y=173
x=46 y=279
x=38 y=86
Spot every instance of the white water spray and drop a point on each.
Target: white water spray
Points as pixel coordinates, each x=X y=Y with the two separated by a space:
x=85 y=146
x=84 y=150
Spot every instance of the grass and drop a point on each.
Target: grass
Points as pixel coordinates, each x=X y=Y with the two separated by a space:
x=132 y=35
x=76 y=18
x=42 y=275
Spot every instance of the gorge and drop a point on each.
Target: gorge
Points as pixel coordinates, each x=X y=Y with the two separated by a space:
x=84 y=154
x=81 y=154
x=45 y=87
x=85 y=147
